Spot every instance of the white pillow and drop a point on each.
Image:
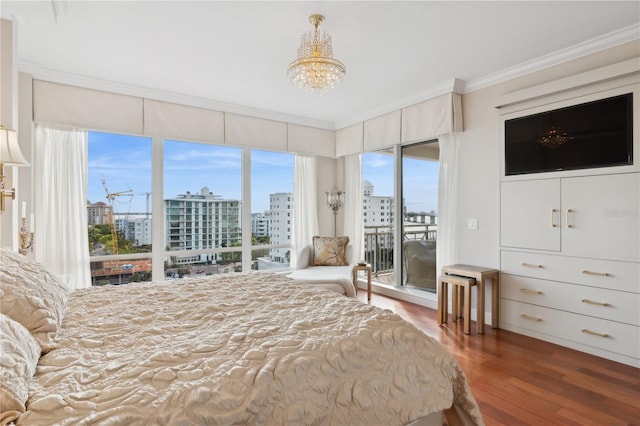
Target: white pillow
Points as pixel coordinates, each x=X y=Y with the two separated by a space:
x=19 y=355
x=32 y=296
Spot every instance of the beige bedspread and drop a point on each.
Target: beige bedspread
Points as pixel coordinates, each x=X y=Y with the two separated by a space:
x=238 y=349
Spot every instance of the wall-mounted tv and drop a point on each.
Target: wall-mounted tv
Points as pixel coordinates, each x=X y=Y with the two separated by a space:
x=588 y=135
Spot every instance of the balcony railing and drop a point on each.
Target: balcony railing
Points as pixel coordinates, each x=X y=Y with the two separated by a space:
x=378 y=243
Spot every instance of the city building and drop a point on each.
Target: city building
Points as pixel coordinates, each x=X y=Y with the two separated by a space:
x=201 y=221
x=280 y=225
x=136 y=227
x=260 y=224
x=98 y=213
x=377 y=209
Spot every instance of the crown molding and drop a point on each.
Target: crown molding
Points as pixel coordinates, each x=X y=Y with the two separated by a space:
x=40 y=73
x=612 y=39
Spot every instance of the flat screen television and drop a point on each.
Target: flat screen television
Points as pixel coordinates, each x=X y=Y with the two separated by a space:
x=588 y=135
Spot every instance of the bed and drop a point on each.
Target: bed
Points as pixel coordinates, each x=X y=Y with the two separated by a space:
x=241 y=348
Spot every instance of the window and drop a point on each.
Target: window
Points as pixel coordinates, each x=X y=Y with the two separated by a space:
x=119 y=208
x=378 y=178
x=272 y=175
x=201 y=220
x=204 y=182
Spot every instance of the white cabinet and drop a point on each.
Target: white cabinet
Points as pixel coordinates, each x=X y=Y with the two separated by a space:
x=570 y=262
x=570 y=237
x=530 y=214
x=588 y=216
x=601 y=216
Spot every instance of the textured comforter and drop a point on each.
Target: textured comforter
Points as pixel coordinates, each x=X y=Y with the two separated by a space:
x=239 y=349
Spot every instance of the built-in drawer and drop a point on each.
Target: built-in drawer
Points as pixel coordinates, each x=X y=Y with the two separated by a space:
x=622 y=276
x=596 y=302
x=611 y=336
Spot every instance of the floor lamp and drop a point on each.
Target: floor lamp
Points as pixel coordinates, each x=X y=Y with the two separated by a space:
x=335 y=199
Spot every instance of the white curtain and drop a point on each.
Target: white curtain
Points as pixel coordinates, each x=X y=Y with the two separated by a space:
x=446 y=246
x=60 y=203
x=305 y=206
x=353 y=225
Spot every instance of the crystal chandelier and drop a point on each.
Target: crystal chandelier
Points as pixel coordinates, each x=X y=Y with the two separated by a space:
x=315 y=70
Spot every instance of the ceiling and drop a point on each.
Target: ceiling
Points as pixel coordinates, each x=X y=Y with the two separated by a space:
x=233 y=55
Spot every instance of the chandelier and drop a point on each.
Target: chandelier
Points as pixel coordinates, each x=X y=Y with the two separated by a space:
x=315 y=71
x=553 y=137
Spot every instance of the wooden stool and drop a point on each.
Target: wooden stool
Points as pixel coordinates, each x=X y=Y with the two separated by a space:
x=459 y=283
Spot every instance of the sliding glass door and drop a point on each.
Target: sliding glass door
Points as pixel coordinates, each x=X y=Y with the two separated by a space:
x=400 y=243
x=419 y=214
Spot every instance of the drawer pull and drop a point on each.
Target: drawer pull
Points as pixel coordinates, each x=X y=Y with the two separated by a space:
x=600 y=274
x=553 y=225
x=593 y=333
x=530 y=265
x=566 y=218
x=591 y=302
x=528 y=291
x=530 y=317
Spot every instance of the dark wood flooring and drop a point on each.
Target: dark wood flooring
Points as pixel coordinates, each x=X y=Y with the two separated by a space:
x=518 y=380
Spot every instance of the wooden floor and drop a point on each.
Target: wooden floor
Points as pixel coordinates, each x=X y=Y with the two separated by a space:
x=518 y=380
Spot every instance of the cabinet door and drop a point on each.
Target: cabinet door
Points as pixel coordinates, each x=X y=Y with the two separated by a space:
x=601 y=216
x=530 y=215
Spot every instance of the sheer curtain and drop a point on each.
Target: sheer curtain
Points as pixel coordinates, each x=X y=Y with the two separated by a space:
x=305 y=204
x=353 y=225
x=446 y=246
x=60 y=203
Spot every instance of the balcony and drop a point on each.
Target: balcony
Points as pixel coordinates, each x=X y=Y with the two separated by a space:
x=419 y=255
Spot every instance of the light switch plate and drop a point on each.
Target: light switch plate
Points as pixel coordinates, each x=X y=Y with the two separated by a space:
x=472 y=223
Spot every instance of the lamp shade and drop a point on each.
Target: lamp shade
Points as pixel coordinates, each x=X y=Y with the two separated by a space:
x=10 y=154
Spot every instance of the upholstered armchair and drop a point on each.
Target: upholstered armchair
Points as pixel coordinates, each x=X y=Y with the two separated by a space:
x=327 y=261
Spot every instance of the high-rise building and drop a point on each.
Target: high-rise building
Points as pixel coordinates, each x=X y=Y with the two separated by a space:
x=136 y=227
x=260 y=224
x=201 y=221
x=377 y=210
x=98 y=213
x=280 y=225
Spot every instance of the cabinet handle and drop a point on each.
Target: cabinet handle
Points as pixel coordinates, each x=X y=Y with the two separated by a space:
x=531 y=318
x=600 y=274
x=530 y=265
x=553 y=225
x=591 y=302
x=526 y=290
x=566 y=218
x=594 y=333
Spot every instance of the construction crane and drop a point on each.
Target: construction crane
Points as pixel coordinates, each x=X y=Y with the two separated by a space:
x=110 y=197
x=148 y=194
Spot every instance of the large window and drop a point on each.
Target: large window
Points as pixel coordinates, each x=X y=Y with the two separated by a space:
x=119 y=208
x=378 y=212
x=271 y=208
x=202 y=208
x=211 y=197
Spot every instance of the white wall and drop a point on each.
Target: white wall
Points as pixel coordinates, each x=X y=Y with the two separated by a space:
x=327 y=179
x=9 y=218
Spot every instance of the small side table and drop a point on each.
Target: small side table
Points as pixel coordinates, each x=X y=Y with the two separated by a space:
x=481 y=274
x=367 y=269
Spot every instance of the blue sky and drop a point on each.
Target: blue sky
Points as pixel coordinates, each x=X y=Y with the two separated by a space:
x=420 y=182
x=124 y=162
